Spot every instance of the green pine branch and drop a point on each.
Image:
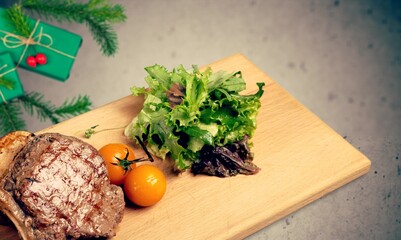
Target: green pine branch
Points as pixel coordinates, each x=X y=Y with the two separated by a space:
x=102 y=11
x=34 y=104
x=11 y=118
x=99 y=32
x=98 y=15
x=74 y=107
x=17 y=19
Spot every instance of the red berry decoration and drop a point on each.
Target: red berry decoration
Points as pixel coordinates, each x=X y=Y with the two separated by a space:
x=41 y=58
x=31 y=61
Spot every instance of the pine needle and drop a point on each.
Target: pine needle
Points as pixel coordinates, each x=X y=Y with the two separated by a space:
x=11 y=118
x=102 y=11
x=101 y=29
x=74 y=107
x=96 y=14
x=18 y=20
x=34 y=104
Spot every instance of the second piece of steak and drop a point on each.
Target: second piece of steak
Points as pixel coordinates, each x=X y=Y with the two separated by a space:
x=57 y=188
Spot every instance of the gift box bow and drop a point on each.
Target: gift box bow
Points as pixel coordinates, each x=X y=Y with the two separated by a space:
x=12 y=40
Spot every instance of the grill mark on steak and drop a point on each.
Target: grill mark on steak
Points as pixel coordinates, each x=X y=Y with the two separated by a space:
x=61 y=185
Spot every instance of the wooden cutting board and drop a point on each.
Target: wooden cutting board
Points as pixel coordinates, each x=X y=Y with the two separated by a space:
x=301 y=159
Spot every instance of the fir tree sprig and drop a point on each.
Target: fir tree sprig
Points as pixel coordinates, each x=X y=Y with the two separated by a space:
x=98 y=15
x=34 y=103
x=99 y=30
x=74 y=107
x=11 y=117
x=17 y=19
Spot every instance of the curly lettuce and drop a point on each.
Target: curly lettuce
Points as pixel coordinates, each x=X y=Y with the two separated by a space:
x=187 y=110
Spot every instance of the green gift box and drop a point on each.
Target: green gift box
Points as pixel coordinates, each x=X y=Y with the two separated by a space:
x=9 y=72
x=59 y=46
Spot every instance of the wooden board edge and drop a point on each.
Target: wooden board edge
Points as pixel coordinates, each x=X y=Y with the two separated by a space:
x=364 y=168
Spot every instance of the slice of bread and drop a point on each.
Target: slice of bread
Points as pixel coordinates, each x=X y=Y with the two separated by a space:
x=10 y=145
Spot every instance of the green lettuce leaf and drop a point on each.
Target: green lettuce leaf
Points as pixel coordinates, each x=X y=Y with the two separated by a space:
x=210 y=112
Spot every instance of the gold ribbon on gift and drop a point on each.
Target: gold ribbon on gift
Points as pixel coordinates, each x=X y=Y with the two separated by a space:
x=1 y=75
x=12 y=40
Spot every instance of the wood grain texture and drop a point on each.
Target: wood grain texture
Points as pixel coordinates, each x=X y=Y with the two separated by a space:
x=301 y=159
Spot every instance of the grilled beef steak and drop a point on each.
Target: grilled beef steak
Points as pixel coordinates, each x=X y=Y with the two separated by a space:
x=57 y=187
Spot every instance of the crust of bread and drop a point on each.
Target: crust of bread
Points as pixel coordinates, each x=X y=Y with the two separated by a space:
x=10 y=145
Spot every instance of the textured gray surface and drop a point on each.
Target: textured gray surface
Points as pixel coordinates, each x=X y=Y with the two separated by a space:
x=341 y=59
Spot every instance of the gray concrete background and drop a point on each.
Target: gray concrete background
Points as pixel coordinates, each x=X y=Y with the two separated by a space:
x=341 y=59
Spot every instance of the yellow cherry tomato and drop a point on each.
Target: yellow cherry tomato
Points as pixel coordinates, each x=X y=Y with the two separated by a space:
x=120 y=159
x=145 y=185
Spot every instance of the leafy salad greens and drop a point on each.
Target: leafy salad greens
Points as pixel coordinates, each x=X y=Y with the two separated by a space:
x=184 y=111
